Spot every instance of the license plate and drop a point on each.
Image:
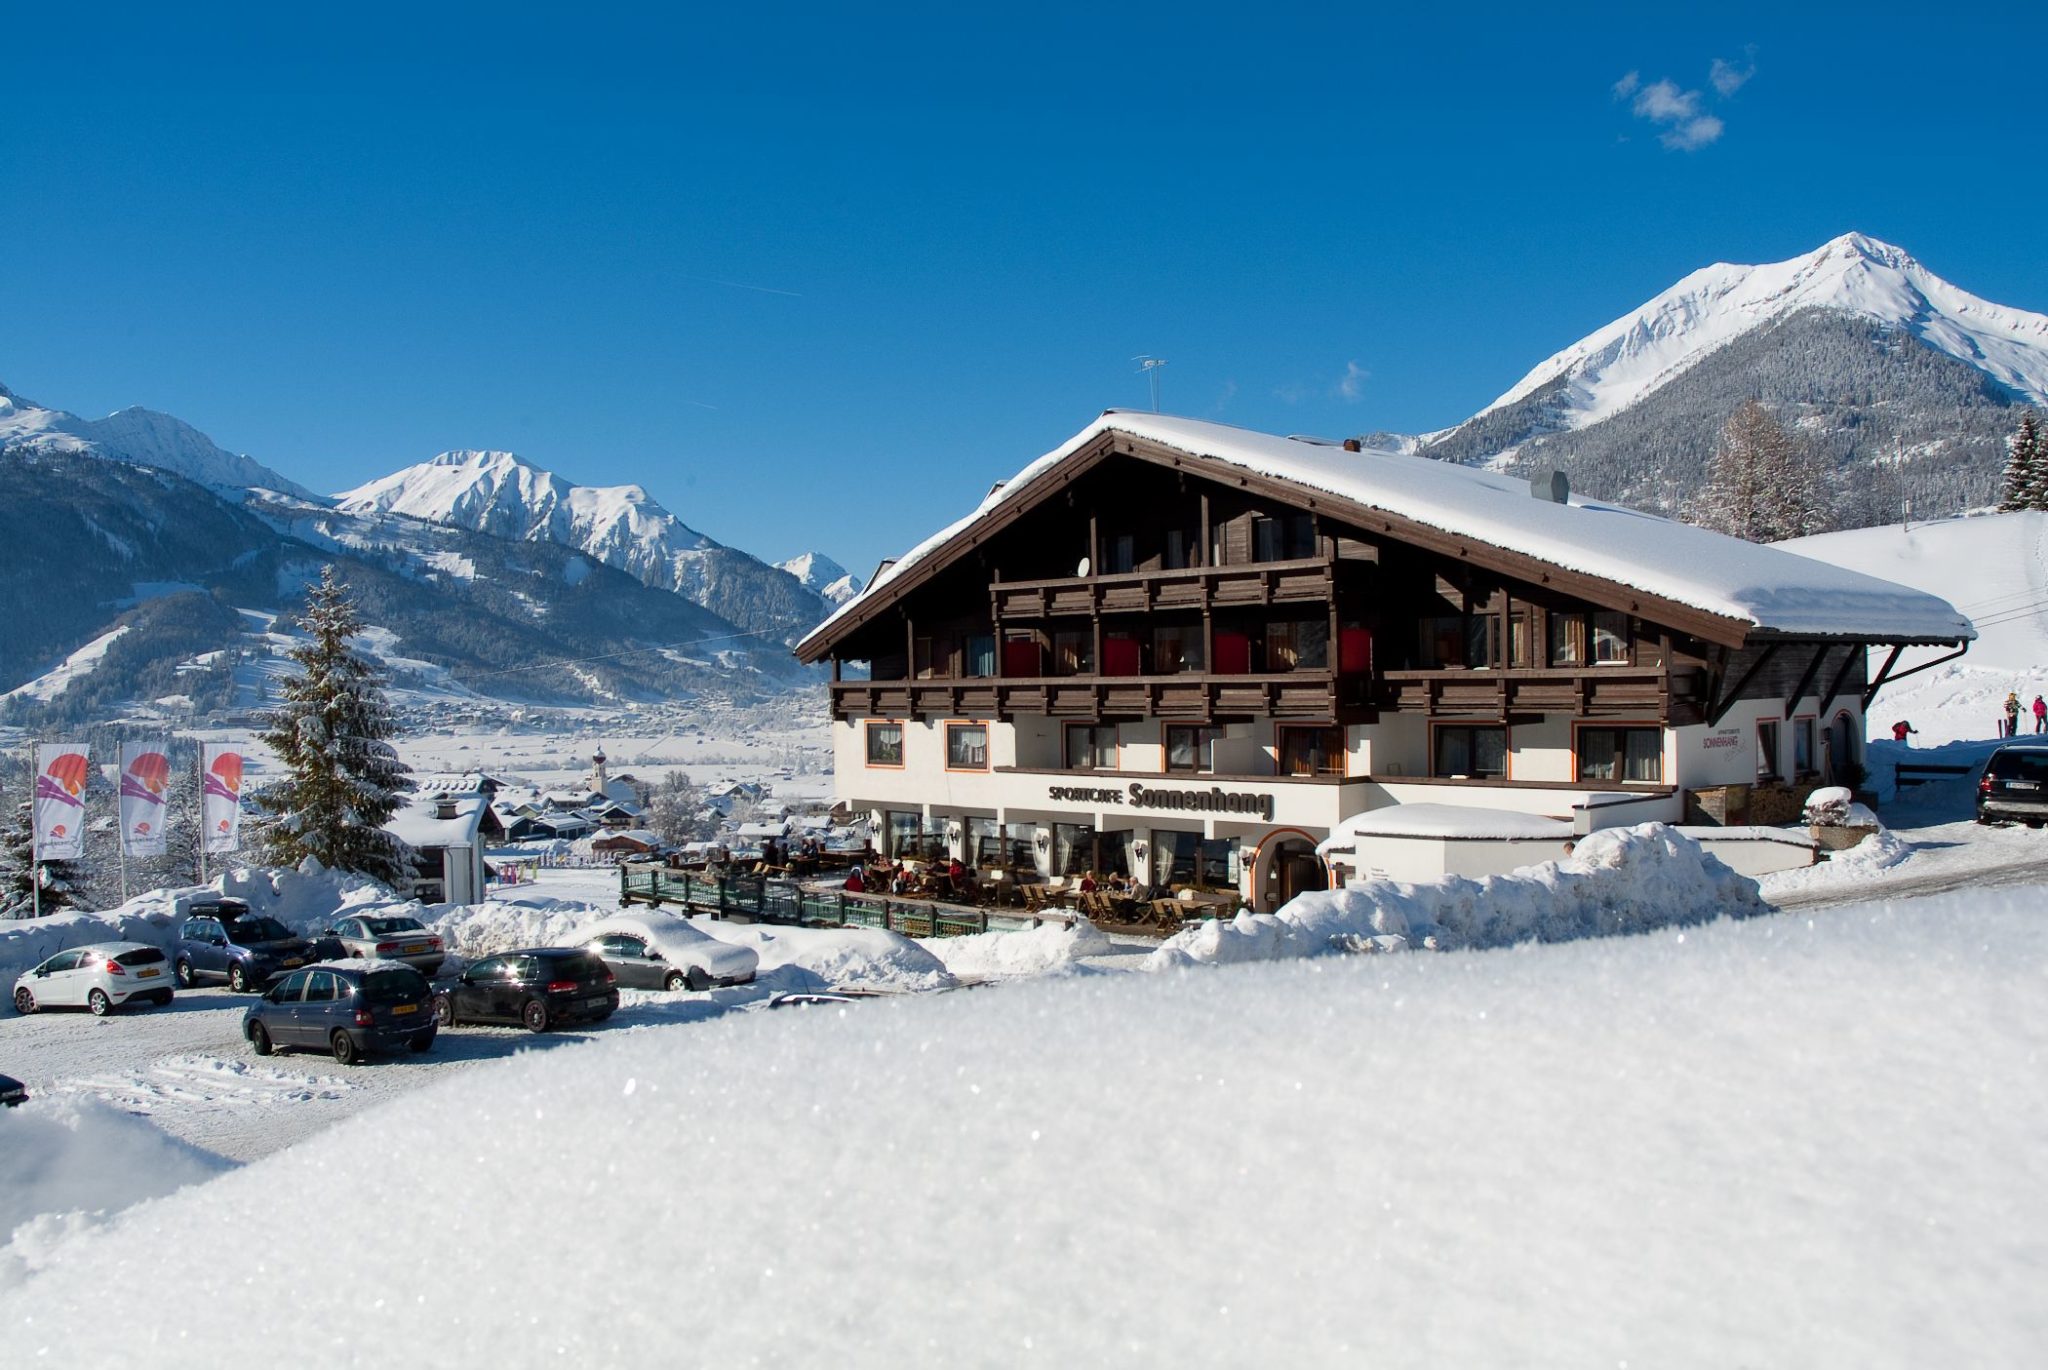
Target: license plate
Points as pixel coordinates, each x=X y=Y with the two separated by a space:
x=599 y=1002
x=293 y=964
x=2023 y=784
x=144 y=974
x=415 y=948
x=406 y=1008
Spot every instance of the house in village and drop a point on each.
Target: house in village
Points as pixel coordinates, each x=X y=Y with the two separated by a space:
x=447 y=832
x=1198 y=655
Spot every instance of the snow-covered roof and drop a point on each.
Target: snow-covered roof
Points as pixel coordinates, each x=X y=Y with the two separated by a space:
x=419 y=824
x=760 y=830
x=643 y=836
x=1768 y=588
x=1457 y=821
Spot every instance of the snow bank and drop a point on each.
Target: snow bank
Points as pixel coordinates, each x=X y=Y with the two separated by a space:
x=28 y=942
x=1772 y=1141
x=1619 y=880
x=844 y=958
x=1876 y=853
x=69 y=1162
x=1048 y=948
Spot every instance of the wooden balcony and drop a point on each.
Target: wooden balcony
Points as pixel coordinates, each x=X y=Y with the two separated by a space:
x=1307 y=581
x=1311 y=695
x=1594 y=692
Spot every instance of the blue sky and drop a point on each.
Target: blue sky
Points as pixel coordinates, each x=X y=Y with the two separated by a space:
x=816 y=277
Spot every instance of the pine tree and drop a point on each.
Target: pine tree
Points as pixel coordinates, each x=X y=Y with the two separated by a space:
x=19 y=871
x=1763 y=485
x=2026 y=466
x=344 y=779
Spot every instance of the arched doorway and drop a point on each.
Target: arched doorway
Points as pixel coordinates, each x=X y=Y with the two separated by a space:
x=1845 y=757
x=1287 y=866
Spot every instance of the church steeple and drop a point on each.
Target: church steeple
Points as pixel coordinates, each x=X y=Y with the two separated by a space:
x=597 y=772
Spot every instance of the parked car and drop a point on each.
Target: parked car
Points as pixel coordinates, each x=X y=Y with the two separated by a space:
x=2015 y=787
x=664 y=951
x=248 y=951
x=101 y=977
x=539 y=987
x=12 y=1092
x=354 y=1010
x=390 y=939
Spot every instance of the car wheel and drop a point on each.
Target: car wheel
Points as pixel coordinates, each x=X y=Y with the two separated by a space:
x=24 y=1002
x=421 y=1041
x=238 y=978
x=163 y=998
x=699 y=979
x=535 y=1016
x=676 y=980
x=99 y=1003
x=259 y=1039
x=183 y=970
x=444 y=1010
x=344 y=1046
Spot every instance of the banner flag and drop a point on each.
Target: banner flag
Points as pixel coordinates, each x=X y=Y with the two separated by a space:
x=145 y=781
x=223 y=796
x=61 y=772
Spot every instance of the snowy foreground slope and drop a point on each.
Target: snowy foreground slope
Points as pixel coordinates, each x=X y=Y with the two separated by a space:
x=1777 y=1141
x=1993 y=567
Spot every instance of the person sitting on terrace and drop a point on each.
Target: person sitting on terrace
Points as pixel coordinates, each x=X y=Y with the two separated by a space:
x=1088 y=885
x=856 y=883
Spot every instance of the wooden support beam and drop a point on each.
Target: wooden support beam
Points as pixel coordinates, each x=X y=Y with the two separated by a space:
x=1820 y=654
x=1849 y=660
x=1719 y=709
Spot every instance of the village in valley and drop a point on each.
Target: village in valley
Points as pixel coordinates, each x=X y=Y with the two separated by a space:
x=1560 y=882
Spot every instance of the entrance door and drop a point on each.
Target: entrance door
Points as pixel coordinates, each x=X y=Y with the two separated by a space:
x=1292 y=869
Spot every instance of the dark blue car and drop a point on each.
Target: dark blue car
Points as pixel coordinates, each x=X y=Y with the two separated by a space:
x=351 y=1010
x=223 y=941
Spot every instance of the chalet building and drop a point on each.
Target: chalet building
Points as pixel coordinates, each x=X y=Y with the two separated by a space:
x=1195 y=654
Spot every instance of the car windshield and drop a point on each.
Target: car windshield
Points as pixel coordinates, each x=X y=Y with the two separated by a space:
x=394 y=986
x=384 y=927
x=141 y=956
x=250 y=930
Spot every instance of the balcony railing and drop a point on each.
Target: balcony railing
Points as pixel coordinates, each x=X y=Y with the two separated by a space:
x=1200 y=697
x=1307 y=580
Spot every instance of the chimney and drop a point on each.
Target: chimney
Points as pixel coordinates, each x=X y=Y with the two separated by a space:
x=1553 y=486
x=444 y=805
x=1353 y=445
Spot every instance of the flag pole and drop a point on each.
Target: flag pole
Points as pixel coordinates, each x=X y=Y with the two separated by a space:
x=200 y=824
x=35 y=839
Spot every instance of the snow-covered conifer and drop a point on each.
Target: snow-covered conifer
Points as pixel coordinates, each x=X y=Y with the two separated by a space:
x=343 y=779
x=2026 y=467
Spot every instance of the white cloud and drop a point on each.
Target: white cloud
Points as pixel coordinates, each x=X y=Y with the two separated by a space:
x=1727 y=78
x=1662 y=102
x=1626 y=86
x=1693 y=133
x=1352 y=383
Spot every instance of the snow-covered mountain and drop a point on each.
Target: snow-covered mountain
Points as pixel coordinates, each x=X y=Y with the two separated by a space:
x=142 y=437
x=824 y=577
x=499 y=494
x=1869 y=354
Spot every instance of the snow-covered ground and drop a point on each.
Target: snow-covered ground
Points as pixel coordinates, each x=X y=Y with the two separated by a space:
x=1993 y=567
x=1783 y=1140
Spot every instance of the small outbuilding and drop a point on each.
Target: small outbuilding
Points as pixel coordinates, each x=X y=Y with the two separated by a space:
x=447 y=833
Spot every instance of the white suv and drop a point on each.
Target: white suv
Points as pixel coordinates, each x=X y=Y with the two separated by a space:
x=101 y=977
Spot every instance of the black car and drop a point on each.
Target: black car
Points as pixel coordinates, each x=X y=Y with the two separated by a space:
x=12 y=1091
x=224 y=941
x=2015 y=787
x=539 y=987
x=351 y=1010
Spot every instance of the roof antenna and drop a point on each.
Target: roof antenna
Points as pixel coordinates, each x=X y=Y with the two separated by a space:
x=1150 y=366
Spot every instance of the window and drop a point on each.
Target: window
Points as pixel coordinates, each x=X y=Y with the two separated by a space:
x=1311 y=751
x=1472 y=752
x=293 y=986
x=980 y=656
x=1266 y=539
x=1621 y=754
x=1091 y=747
x=1482 y=641
x=321 y=989
x=1184 y=858
x=1303 y=645
x=1567 y=640
x=1191 y=750
x=1802 y=748
x=1078 y=848
x=1767 y=749
x=1175 y=552
x=1301 y=536
x=1177 y=649
x=885 y=744
x=967 y=746
x=1121 y=554
x=926 y=661
x=1443 y=641
x=1521 y=648
x=1073 y=653
x=908 y=836
x=1610 y=639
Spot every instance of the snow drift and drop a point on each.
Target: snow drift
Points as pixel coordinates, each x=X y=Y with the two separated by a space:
x=1619 y=880
x=1046 y=949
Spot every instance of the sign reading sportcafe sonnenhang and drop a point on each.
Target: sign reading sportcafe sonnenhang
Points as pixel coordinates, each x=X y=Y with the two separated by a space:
x=1215 y=799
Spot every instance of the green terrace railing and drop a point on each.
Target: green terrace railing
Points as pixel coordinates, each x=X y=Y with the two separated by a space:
x=761 y=900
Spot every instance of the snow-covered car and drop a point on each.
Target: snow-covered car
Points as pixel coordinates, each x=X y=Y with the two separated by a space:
x=664 y=951
x=248 y=951
x=396 y=938
x=101 y=977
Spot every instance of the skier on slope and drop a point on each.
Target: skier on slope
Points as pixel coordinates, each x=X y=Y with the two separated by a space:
x=2012 y=713
x=2040 y=714
x=1902 y=730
